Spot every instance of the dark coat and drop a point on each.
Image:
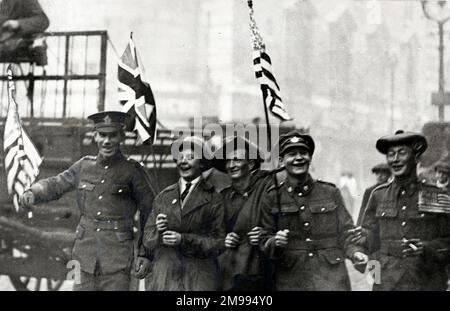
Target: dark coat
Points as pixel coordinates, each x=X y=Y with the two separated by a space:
x=192 y=265
x=29 y=13
x=109 y=192
x=319 y=240
x=392 y=215
x=242 y=214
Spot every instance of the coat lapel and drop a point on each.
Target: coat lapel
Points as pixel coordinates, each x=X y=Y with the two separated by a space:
x=173 y=201
x=196 y=199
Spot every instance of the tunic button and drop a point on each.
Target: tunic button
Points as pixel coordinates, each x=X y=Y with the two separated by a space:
x=338 y=259
x=120 y=191
x=84 y=186
x=305 y=188
x=403 y=223
x=106 y=167
x=403 y=208
x=323 y=209
x=300 y=194
x=302 y=208
x=98 y=229
x=422 y=215
x=103 y=181
x=99 y=213
x=174 y=201
x=289 y=189
x=311 y=255
x=306 y=224
x=308 y=240
x=383 y=214
x=403 y=192
x=100 y=197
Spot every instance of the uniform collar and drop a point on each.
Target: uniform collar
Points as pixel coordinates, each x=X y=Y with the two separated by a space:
x=194 y=182
x=408 y=185
x=303 y=189
x=111 y=160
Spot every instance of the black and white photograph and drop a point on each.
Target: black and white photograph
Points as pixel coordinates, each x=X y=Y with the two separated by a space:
x=238 y=146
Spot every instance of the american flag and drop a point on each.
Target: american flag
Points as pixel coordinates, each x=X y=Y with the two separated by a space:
x=22 y=160
x=434 y=202
x=136 y=94
x=263 y=72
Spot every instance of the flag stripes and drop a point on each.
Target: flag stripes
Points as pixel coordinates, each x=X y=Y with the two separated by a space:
x=262 y=65
x=22 y=160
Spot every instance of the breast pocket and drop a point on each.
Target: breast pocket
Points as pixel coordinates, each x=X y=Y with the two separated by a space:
x=289 y=216
x=85 y=187
x=324 y=218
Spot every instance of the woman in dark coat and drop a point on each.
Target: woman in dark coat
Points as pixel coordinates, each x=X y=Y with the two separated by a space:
x=185 y=231
x=241 y=264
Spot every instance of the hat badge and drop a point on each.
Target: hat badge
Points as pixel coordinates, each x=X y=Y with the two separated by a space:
x=295 y=140
x=107 y=120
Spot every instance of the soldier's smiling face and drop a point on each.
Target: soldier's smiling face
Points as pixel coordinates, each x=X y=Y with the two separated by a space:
x=188 y=164
x=108 y=142
x=442 y=176
x=297 y=160
x=402 y=160
x=237 y=164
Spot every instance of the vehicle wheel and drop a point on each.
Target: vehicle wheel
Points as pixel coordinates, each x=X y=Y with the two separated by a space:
x=33 y=284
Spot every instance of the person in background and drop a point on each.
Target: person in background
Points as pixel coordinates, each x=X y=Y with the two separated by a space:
x=382 y=174
x=185 y=231
x=110 y=190
x=442 y=170
x=20 y=22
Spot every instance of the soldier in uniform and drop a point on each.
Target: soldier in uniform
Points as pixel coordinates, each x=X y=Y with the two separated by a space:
x=241 y=265
x=382 y=173
x=405 y=226
x=185 y=230
x=312 y=228
x=110 y=189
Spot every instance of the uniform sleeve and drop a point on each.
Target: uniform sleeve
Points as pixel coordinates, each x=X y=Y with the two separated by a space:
x=270 y=226
x=211 y=244
x=345 y=222
x=371 y=229
x=363 y=206
x=144 y=195
x=34 y=20
x=150 y=237
x=55 y=187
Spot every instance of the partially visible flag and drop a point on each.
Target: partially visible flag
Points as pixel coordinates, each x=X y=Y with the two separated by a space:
x=136 y=94
x=22 y=160
x=263 y=72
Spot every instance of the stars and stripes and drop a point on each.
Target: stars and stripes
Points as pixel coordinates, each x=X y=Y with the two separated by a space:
x=22 y=160
x=434 y=202
x=263 y=72
x=135 y=93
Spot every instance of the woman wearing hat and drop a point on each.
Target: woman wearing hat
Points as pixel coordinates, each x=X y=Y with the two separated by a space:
x=240 y=264
x=185 y=230
x=311 y=226
x=407 y=226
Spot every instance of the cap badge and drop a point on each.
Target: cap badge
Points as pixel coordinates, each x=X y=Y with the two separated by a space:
x=107 y=119
x=295 y=140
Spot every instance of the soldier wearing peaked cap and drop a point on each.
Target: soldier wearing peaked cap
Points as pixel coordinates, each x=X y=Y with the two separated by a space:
x=312 y=229
x=110 y=189
x=383 y=174
x=406 y=226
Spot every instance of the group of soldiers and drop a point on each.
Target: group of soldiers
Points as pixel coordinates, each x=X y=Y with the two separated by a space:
x=266 y=230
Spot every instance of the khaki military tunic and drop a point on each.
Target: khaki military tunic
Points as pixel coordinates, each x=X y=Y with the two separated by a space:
x=318 y=224
x=392 y=216
x=109 y=192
